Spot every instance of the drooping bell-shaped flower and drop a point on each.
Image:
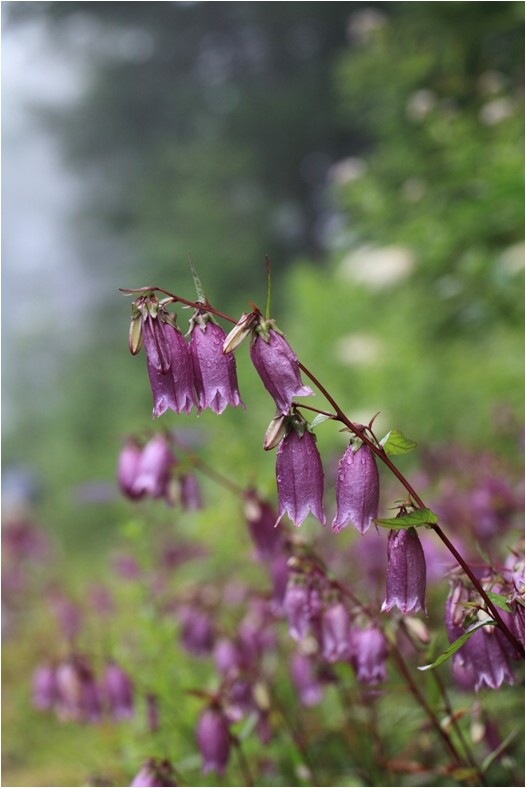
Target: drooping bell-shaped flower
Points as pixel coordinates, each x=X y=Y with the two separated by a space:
x=190 y=492
x=78 y=697
x=277 y=365
x=227 y=657
x=117 y=690
x=296 y=606
x=368 y=654
x=197 y=632
x=406 y=572
x=484 y=659
x=173 y=389
x=44 y=687
x=357 y=489
x=215 y=374
x=128 y=468
x=154 y=773
x=155 y=465
x=299 y=475
x=261 y=519
x=213 y=740
x=335 y=630
x=305 y=680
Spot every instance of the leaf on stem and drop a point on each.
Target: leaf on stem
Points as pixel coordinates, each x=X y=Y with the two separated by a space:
x=395 y=442
x=319 y=419
x=454 y=647
x=410 y=520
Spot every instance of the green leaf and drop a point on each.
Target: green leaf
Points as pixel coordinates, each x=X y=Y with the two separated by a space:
x=413 y=519
x=395 y=442
x=320 y=418
x=499 y=600
x=457 y=644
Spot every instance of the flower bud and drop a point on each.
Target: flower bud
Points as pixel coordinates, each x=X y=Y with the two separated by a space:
x=213 y=740
x=214 y=371
x=406 y=572
x=276 y=431
x=357 y=490
x=135 y=337
x=277 y=366
x=299 y=477
x=242 y=329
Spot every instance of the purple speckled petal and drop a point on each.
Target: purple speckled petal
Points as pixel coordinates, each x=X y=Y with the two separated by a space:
x=156 y=344
x=278 y=368
x=299 y=477
x=406 y=572
x=214 y=372
x=357 y=490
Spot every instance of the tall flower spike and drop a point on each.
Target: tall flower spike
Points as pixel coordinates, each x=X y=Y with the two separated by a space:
x=277 y=365
x=406 y=572
x=174 y=389
x=299 y=475
x=214 y=371
x=357 y=489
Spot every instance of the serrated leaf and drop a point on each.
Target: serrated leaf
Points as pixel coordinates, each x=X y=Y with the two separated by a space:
x=395 y=442
x=454 y=647
x=499 y=600
x=413 y=519
x=320 y=418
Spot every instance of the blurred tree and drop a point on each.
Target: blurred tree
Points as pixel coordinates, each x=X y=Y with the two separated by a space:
x=206 y=128
x=437 y=89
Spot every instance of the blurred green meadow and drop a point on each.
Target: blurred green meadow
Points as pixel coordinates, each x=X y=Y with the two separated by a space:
x=374 y=151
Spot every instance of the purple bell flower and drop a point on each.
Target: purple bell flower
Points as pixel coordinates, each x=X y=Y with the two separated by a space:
x=335 y=630
x=406 y=572
x=154 y=773
x=368 y=654
x=484 y=659
x=305 y=680
x=44 y=687
x=128 y=468
x=213 y=740
x=190 y=492
x=154 y=471
x=297 y=610
x=197 y=633
x=118 y=692
x=261 y=520
x=357 y=489
x=299 y=477
x=214 y=371
x=277 y=366
x=78 y=697
x=173 y=389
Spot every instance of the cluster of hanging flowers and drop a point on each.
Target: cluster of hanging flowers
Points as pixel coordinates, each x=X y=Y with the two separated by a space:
x=202 y=373
x=152 y=470
x=72 y=690
x=183 y=375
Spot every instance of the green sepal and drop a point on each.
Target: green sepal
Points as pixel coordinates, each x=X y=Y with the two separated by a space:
x=411 y=520
x=395 y=442
x=454 y=647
